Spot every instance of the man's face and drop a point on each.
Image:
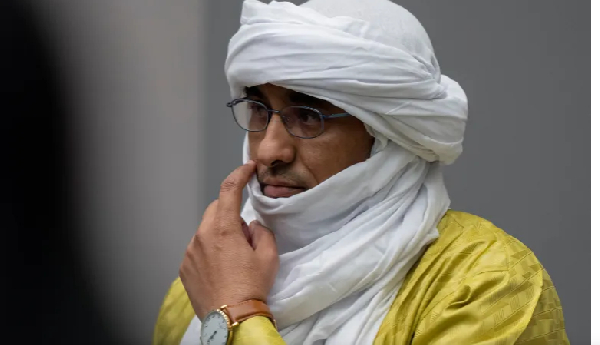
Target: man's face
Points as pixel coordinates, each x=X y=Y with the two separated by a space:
x=288 y=165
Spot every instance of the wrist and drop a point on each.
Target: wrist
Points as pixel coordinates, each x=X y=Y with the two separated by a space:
x=218 y=325
x=242 y=311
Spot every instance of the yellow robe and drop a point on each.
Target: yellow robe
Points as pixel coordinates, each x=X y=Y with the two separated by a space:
x=474 y=285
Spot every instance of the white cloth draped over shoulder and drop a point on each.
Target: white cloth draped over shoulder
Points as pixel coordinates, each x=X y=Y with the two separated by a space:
x=346 y=245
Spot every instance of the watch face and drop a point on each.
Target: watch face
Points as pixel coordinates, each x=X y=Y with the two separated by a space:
x=214 y=329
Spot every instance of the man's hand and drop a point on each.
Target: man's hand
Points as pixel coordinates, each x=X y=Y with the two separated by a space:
x=227 y=261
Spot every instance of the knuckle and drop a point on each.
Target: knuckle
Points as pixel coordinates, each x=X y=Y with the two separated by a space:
x=189 y=255
x=272 y=255
x=193 y=246
x=222 y=232
x=198 y=235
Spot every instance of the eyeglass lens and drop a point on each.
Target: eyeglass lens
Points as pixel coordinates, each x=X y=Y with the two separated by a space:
x=300 y=121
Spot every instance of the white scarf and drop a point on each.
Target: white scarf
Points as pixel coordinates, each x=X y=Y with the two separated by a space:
x=346 y=245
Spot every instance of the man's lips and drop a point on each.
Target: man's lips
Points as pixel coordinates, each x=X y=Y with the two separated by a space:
x=278 y=191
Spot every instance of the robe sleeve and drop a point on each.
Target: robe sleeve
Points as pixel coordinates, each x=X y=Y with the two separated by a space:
x=174 y=316
x=257 y=330
x=176 y=313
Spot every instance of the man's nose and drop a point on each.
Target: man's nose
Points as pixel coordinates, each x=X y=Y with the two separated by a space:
x=277 y=145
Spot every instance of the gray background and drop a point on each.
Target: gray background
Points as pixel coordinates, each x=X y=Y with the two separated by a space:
x=153 y=139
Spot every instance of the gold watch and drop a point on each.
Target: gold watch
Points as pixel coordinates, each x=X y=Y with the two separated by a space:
x=217 y=326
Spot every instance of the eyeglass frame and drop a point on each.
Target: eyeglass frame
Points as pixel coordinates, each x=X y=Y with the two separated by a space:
x=270 y=113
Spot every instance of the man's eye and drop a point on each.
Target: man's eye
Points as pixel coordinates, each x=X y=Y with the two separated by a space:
x=307 y=116
x=256 y=108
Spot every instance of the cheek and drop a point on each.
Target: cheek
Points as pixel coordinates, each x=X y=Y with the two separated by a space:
x=337 y=150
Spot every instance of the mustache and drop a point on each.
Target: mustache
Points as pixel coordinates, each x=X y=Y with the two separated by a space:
x=282 y=173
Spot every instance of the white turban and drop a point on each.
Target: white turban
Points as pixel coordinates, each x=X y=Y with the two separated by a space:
x=371 y=58
x=346 y=245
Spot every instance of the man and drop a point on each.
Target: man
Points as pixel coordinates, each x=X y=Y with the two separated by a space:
x=347 y=236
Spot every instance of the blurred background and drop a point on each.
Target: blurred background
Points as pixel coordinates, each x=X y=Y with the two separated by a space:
x=117 y=137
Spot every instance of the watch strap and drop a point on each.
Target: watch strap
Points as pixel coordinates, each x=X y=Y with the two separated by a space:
x=247 y=309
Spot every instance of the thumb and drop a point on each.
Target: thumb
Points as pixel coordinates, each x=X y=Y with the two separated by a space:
x=263 y=240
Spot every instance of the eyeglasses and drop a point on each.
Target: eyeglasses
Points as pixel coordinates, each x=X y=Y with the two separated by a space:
x=300 y=121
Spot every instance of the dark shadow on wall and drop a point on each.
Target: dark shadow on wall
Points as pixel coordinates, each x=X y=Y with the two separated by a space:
x=48 y=301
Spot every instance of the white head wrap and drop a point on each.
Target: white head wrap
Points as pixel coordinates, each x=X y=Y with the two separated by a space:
x=346 y=245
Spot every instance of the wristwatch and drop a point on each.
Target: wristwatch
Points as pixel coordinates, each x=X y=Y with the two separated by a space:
x=217 y=326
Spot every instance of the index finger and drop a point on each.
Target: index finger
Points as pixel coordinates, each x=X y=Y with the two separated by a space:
x=230 y=196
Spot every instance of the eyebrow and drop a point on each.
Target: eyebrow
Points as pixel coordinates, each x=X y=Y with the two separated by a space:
x=304 y=99
x=253 y=91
